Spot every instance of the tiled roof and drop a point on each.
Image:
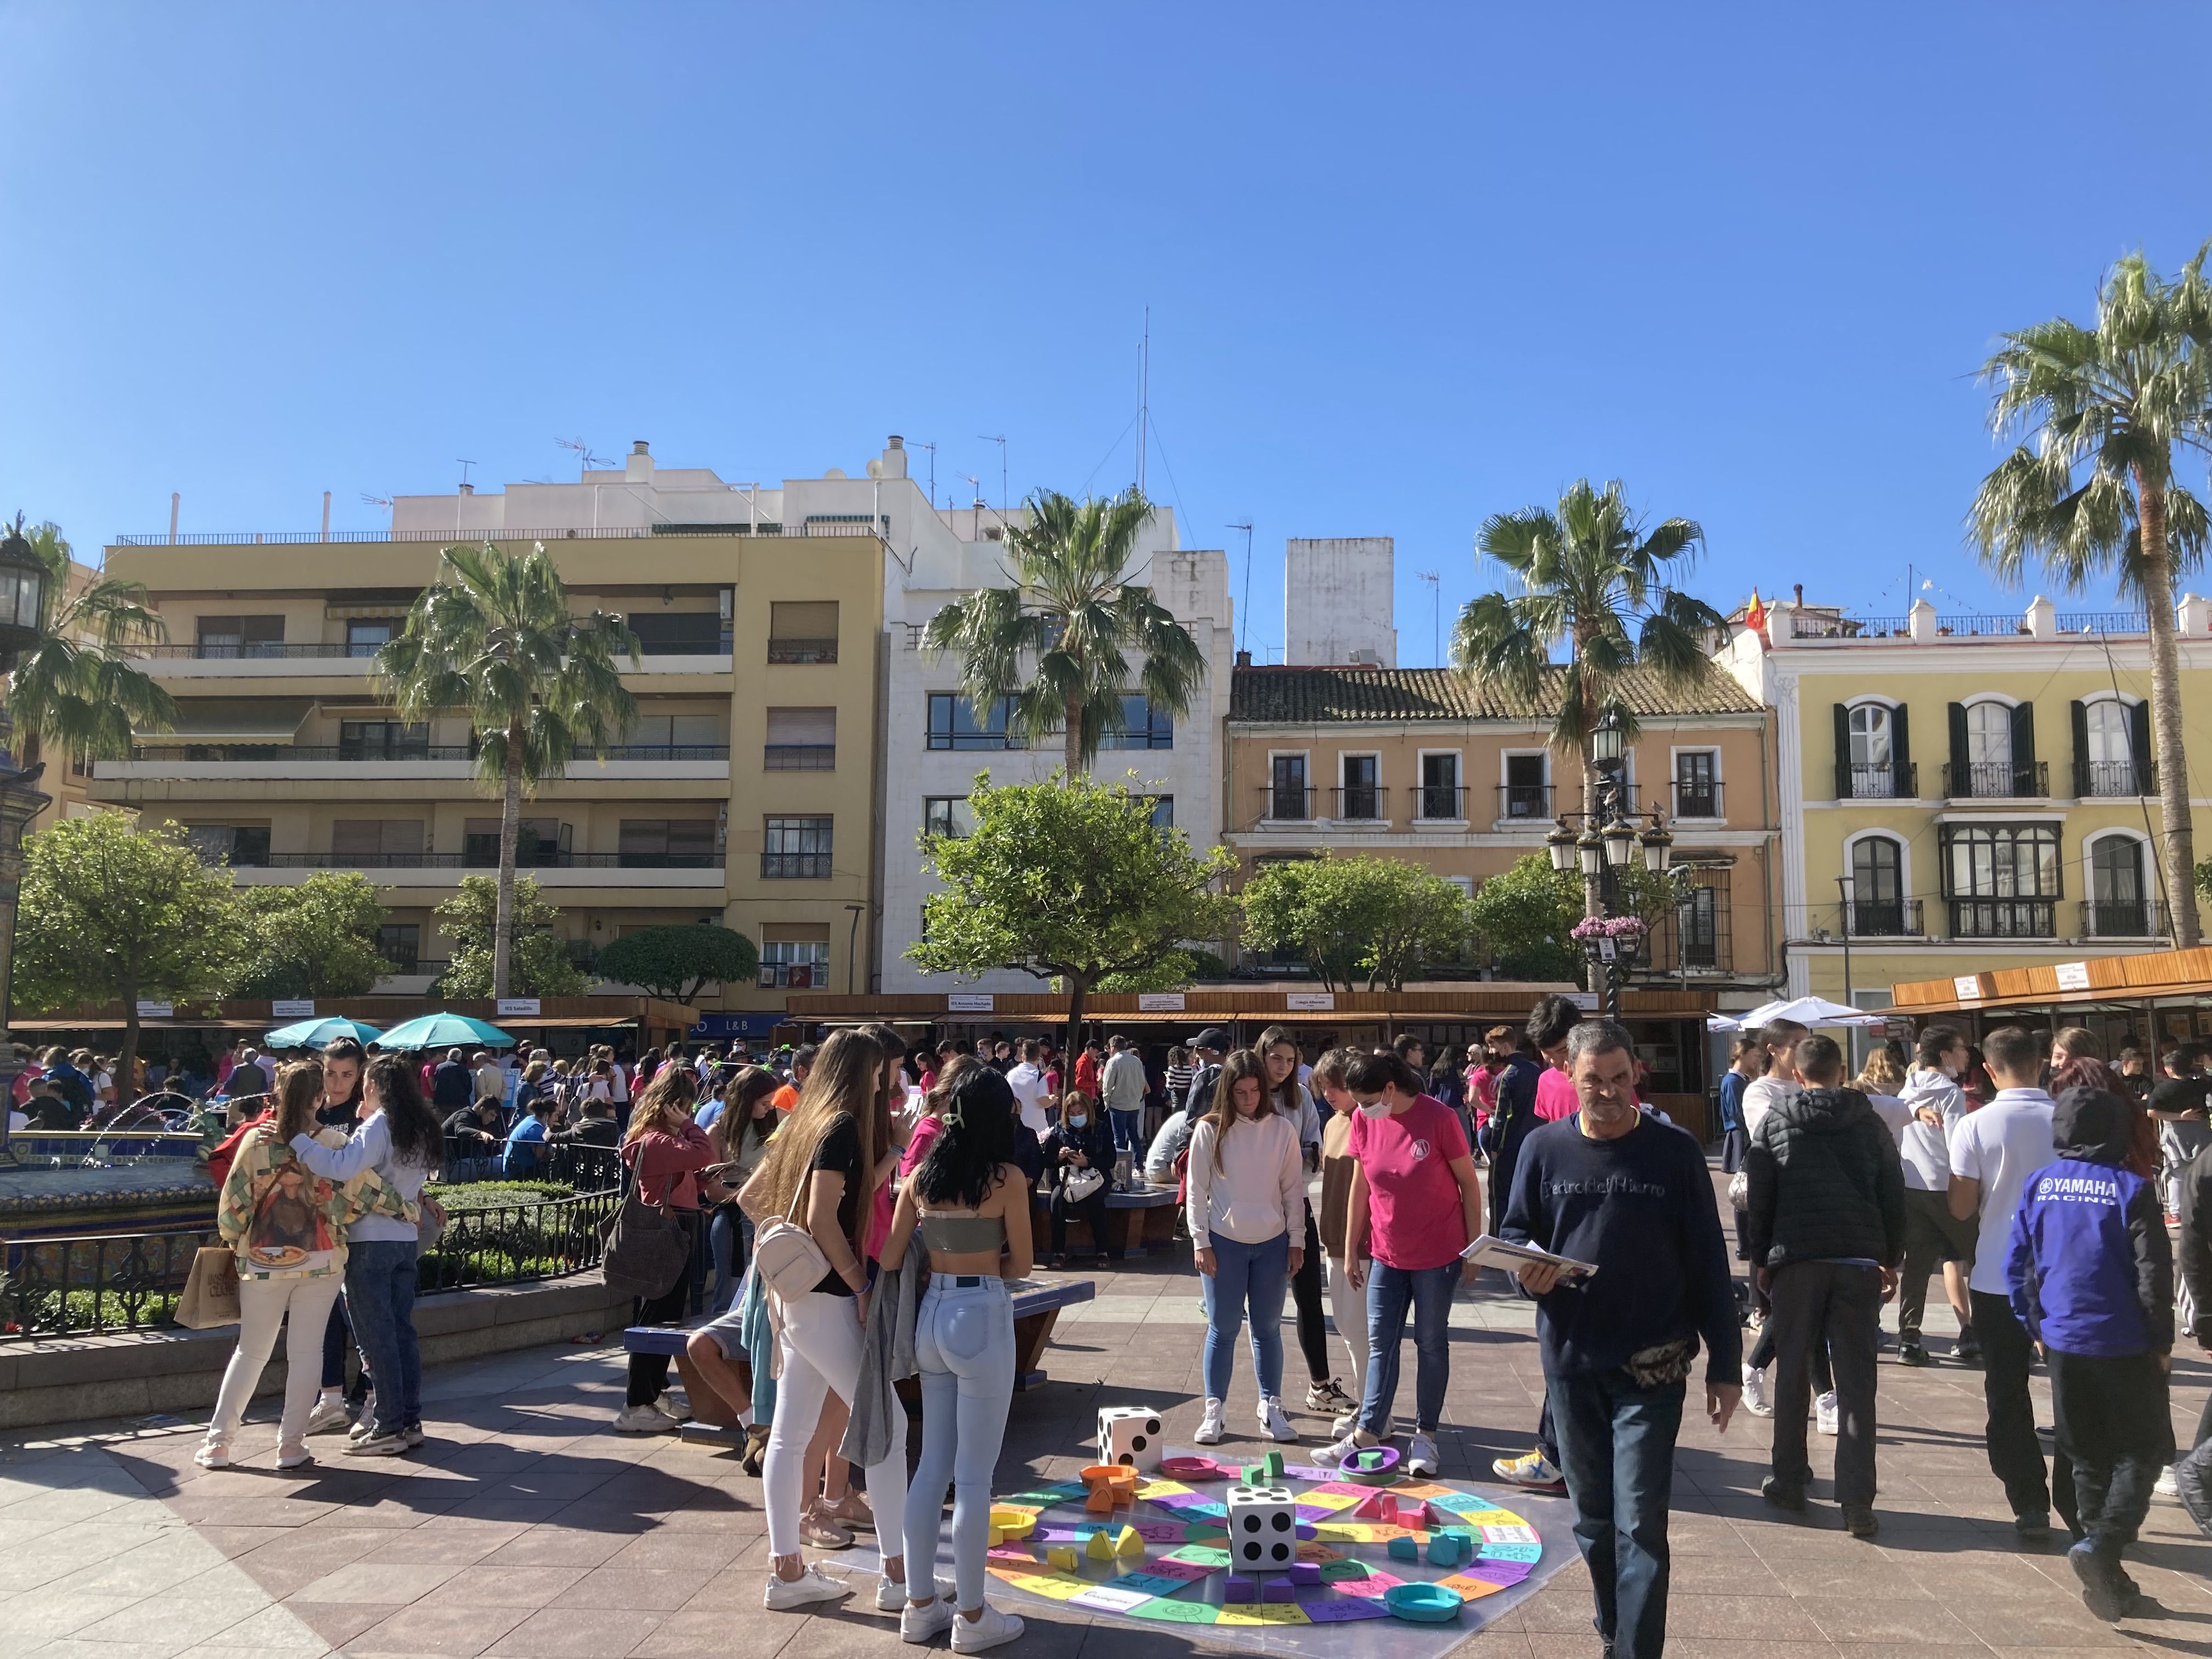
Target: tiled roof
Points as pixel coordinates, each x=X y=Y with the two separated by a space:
x=1301 y=696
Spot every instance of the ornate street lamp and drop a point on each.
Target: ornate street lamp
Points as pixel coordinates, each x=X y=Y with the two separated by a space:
x=1620 y=843
x=1606 y=739
x=1561 y=845
x=22 y=609
x=1592 y=848
x=1658 y=847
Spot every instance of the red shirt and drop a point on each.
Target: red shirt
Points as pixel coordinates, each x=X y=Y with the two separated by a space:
x=1086 y=1074
x=664 y=1164
x=1555 y=1095
x=1414 y=1218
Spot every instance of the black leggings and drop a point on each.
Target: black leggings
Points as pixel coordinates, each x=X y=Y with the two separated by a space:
x=1306 y=1291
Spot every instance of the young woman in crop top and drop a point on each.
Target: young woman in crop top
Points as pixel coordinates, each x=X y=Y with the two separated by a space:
x=971 y=1202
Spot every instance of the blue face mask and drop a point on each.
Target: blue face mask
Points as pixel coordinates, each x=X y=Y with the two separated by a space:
x=1077 y=1119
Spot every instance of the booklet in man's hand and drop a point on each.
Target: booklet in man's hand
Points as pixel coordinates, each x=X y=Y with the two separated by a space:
x=1492 y=1252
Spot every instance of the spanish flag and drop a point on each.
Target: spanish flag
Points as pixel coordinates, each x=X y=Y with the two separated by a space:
x=1755 y=617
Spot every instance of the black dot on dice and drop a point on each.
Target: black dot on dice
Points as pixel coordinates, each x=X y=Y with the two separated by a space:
x=1251 y=1551
x=1137 y=1444
x=1151 y=1425
x=1282 y=1552
x=1282 y=1519
x=1251 y=1523
x=1126 y=1458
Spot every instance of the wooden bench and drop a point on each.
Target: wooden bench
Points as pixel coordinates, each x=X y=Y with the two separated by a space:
x=1138 y=1219
x=1037 y=1302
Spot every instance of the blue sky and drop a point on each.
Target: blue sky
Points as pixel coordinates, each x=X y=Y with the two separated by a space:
x=1406 y=266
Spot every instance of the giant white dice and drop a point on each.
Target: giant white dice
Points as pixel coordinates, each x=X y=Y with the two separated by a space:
x=1130 y=1435
x=1263 y=1529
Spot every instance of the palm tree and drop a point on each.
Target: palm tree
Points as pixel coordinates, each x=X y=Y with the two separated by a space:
x=2095 y=499
x=1078 y=621
x=1595 y=581
x=73 y=690
x=494 y=635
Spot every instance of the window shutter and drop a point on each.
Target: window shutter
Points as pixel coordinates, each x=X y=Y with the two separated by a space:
x=2139 y=749
x=402 y=835
x=1900 y=754
x=353 y=838
x=802 y=727
x=1842 y=751
x=2023 y=750
x=1960 y=783
x=2080 y=711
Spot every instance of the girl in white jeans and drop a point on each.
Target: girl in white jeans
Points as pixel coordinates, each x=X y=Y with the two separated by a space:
x=971 y=1201
x=822 y=1168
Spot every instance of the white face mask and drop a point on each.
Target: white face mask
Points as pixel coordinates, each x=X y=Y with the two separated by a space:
x=1375 y=1108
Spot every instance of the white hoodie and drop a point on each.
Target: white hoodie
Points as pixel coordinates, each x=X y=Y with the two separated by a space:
x=1925 y=1150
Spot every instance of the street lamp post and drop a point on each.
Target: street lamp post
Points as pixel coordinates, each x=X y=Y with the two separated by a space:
x=22 y=610
x=1606 y=843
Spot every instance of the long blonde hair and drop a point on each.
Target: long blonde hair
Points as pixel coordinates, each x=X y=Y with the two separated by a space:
x=846 y=1080
x=670 y=1088
x=1881 y=1074
x=1240 y=1065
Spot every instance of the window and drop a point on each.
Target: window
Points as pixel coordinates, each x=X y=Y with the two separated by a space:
x=675 y=737
x=796 y=849
x=945 y=815
x=1697 y=784
x=400 y=943
x=371 y=740
x=370 y=843
x=1288 y=798
x=686 y=633
x=1527 y=794
x=2000 y=879
x=1871 y=760
x=668 y=844
x=2119 y=906
x=802 y=632
x=1163 y=812
x=953 y=724
x=242 y=846
x=366 y=635
x=1878 y=887
x=2112 y=763
x=1440 y=793
x=794 y=957
x=1360 y=796
x=1989 y=735
x=1697 y=920
x=539 y=842
x=240 y=636
x=801 y=740
x=1142 y=727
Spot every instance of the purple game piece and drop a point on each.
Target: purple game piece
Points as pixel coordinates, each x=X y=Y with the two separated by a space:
x=1305 y=1531
x=1279 y=1589
x=1237 y=1588
x=1305 y=1573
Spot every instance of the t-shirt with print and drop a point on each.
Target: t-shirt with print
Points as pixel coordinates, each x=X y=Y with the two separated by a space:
x=1414 y=1219
x=840 y=1154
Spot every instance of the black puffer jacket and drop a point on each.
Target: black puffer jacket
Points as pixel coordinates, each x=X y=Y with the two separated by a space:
x=1824 y=1182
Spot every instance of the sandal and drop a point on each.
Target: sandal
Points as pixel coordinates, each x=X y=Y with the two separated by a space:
x=819 y=1527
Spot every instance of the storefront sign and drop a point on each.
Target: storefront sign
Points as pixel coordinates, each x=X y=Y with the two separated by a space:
x=2073 y=975
x=1159 y=1002
x=1967 y=987
x=157 y=1009
x=1315 y=1002
x=516 y=1007
x=293 y=1010
x=1585 y=1001
x=967 y=1002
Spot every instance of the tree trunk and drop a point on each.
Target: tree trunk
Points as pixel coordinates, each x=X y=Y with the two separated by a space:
x=2177 y=839
x=127 y=1059
x=1077 y=991
x=510 y=831
x=1071 y=745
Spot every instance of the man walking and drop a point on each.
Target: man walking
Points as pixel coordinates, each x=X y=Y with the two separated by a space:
x=1825 y=1219
x=1121 y=1080
x=1027 y=1081
x=1615 y=1188
x=1993 y=1153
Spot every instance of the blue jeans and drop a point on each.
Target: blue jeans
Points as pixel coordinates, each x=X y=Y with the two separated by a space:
x=963 y=1341
x=1428 y=1293
x=379 y=1280
x=1254 y=1276
x=1128 y=1131
x=730 y=1236
x=1617 y=1446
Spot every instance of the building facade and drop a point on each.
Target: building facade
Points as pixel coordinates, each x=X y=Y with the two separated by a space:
x=1963 y=794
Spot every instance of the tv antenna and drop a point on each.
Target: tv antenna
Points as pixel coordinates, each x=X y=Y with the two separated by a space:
x=1144 y=396
x=1435 y=583
x=1243 y=627
x=375 y=501
x=464 y=465
x=985 y=437
x=584 y=460
x=932 y=448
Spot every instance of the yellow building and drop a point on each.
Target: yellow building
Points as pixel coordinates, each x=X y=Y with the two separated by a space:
x=1964 y=794
x=745 y=794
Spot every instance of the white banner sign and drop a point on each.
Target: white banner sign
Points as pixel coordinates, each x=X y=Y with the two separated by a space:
x=1585 y=1001
x=515 y=1007
x=2073 y=975
x=293 y=1010
x=1159 y=1002
x=156 y=1010
x=1967 y=987
x=967 y=1002
x=1313 y=1002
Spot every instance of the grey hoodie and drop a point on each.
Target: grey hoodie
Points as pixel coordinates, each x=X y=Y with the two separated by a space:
x=1927 y=1150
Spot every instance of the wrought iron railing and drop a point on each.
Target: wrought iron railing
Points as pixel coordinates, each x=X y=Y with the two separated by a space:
x=798 y=758
x=794 y=866
x=79 y=1286
x=2120 y=918
x=1440 y=802
x=802 y=650
x=1886 y=780
x=472 y=538
x=1530 y=801
x=1286 y=803
x=1698 y=797
x=1362 y=803
x=2114 y=778
x=547 y=859
x=1896 y=918
x=174 y=749
x=1997 y=781
x=2014 y=918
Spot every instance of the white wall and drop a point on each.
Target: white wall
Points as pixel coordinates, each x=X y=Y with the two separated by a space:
x=1337 y=600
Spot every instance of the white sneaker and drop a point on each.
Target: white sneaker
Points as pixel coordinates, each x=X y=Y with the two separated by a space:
x=667 y=1406
x=330 y=1412
x=294 y=1457
x=1346 y=1423
x=1531 y=1469
x=2167 y=1486
x=988 y=1631
x=1828 y=1416
x=922 y=1624
x=1209 y=1428
x=1273 y=1423
x=1754 y=1393
x=212 y=1456
x=809 y=1587
x=890 y=1597
x=1356 y=1440
x=1421 y=1455
x=643 y=1419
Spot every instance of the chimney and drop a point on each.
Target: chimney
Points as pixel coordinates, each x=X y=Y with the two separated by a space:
x=1800 y=591
x=637 y=466
x=468 y=490
x=1243 y=659
x=893 y=464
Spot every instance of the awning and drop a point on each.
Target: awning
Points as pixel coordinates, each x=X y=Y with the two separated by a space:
x=235 y=719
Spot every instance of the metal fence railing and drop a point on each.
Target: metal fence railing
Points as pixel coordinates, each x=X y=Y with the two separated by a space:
x=67 y=1286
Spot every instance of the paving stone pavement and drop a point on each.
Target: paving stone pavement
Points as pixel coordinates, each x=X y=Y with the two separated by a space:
x=525 y=1527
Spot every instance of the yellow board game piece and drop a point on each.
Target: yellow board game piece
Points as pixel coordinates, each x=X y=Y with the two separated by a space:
x=998 y=1537
x=1101 y=1547
x=1062 y=1556
x=1127 y=1542
x=1012 y=1523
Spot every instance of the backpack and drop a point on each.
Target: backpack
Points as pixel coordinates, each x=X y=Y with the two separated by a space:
x=75 y=1087
x=225 y=1152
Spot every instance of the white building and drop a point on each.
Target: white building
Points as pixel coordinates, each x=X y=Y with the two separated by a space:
x=1337 y=601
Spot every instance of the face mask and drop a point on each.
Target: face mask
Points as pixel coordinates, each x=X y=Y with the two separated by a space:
x=1375 y=1108
x=1077 y=1119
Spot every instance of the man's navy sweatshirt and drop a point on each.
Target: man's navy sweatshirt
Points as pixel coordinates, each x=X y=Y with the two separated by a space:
x=1641 y=1208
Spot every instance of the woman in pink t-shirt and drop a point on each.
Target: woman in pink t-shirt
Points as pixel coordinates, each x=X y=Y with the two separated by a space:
x=1414 y=1202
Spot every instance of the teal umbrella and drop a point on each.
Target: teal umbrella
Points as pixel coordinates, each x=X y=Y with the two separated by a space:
x=319 y=1033
x=446 y=1032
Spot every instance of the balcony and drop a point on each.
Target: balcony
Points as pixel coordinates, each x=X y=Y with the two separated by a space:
x=1886 y=781
x=796 y=651
x=2121 y=919
x=2004 y=918
x=1997 y=781
x=1696 y=937
x=794 y=866
x=1700 y=799
x=1286 y=803
x=174 y=761
x=1362 y=803
x=1528 y=803
x=1438 y=803
x=798 y=758
x=2106 y=779
x=525 y=858
x=277 y=661
x=1882 y=918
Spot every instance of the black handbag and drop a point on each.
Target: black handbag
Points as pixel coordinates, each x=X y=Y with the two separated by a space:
x=645 y=1248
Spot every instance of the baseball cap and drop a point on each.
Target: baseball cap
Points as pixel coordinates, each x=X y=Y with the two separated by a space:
x=1212 y=1037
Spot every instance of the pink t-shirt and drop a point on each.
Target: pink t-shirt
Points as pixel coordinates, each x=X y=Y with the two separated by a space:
x=1555 y=1095
x=1414 y=1219
x=879 y=1218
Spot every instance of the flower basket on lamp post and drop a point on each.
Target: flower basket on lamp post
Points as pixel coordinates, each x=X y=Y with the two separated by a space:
x=1613 y=946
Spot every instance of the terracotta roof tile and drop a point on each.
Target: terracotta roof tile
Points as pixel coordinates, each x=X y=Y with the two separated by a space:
x=1301 y=696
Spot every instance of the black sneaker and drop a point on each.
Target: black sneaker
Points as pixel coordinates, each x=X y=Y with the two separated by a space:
x=2103 y=1591
x=1859 y=1521
x=1783 y=1494
x=1968 y=1348
x=1912 y=1353
x=2033 y=1527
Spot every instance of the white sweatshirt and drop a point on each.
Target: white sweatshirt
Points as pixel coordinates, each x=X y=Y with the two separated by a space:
x=1258 y=1194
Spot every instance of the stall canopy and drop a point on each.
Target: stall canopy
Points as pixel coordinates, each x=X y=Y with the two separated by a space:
x=2153 y=976
x=1813 y=1011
